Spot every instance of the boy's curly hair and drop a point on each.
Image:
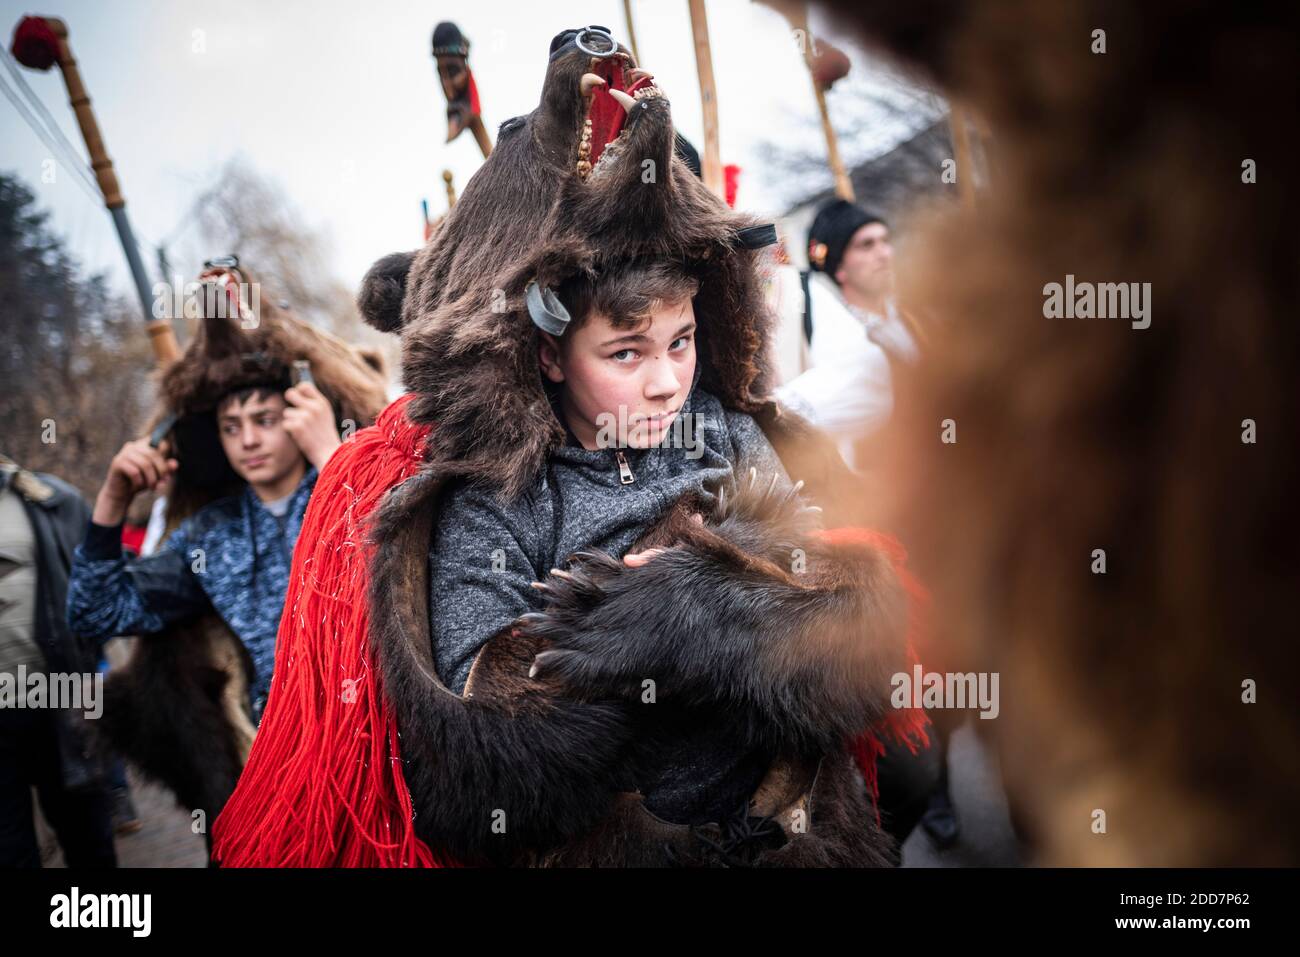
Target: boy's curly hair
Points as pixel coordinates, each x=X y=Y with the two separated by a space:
x=627 y=293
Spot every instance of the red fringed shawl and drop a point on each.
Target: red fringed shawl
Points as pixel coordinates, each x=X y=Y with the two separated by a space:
x=323 y=786
x=904 y=727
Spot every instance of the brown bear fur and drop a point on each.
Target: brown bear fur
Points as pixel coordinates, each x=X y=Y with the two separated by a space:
x=805 y=659
x=1122 y=692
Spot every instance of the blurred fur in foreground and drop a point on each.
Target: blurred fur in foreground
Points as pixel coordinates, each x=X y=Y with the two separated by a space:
x=1121 y=692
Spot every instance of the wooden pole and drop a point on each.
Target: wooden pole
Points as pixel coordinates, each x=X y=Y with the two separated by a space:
x=451 y=188
x=480 y=134
x=712 y=164
x=843 y=185
x=80 y=101
x=631 y=30
x=165 y=348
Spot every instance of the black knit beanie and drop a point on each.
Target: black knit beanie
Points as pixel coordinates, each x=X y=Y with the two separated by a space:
x=833 y=227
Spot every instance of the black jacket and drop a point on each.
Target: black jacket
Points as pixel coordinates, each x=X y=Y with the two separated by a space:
x=58 y=516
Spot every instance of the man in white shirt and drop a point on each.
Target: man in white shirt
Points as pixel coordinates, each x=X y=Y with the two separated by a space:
x=840 y=338
x=839 y=379
x=853 y=248
x=840 y=328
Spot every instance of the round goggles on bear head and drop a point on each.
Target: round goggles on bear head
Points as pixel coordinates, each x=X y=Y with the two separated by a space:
x=593 y=40
x=223 y=275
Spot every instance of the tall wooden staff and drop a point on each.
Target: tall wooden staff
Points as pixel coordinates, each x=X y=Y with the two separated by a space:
x=39 y=43
x=711 y=166
x=631 y=30
x=825 y=65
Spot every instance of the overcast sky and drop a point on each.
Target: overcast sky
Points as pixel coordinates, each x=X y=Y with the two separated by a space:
x=338 y=103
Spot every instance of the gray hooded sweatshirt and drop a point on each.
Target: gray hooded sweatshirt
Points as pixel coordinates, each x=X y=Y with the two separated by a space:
x=485 y=553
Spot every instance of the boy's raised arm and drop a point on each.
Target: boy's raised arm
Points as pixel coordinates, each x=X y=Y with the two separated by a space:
x=107 y=596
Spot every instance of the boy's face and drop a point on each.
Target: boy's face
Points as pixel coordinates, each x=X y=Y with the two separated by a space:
x=254 y=438
x=646 y=371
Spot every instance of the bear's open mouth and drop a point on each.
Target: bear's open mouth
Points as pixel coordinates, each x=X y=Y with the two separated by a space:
x=612 y=86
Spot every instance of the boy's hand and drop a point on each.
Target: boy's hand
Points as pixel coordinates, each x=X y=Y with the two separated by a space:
x=136 y=467
x=637 y=559
x=309 y=420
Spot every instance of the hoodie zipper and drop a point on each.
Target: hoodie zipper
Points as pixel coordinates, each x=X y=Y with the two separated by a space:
x=624 y=470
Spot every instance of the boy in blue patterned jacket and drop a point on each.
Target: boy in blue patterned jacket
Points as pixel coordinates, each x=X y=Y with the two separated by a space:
x=231 y=556
x=245 y=419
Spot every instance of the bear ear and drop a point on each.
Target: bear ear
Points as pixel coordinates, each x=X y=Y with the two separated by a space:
x=382 y=292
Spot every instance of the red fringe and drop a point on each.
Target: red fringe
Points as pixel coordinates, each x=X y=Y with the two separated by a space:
x=323 y=786
x=905 y=727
